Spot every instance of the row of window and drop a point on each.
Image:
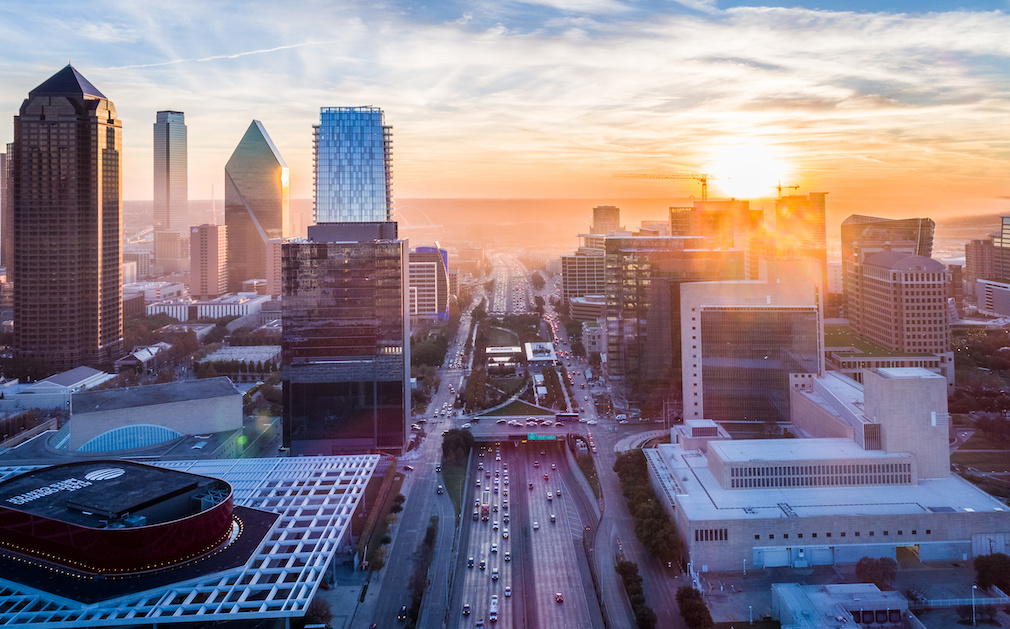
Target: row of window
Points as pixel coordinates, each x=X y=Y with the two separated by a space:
x=823 y=481
x=843 y=533
x=711 y=535
x=792 y=470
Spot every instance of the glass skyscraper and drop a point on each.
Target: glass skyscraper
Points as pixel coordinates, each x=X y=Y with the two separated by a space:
x=67 y=218
x=255 y=204
x=353 y=166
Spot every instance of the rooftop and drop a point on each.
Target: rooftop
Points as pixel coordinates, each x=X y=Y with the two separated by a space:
x=151 y=394
x=701 y=497
x=67 y=82
x=842 y=341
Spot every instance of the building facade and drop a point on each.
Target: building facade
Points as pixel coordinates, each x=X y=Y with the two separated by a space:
x=171 y=190
x=353 y=149
x=606 y=219
x=256 y=204
x=429 y=284
x=642 y=290
x=67 y=243
x=745 y=340
x=582 y=273
x=346 y=340
x=208 y=268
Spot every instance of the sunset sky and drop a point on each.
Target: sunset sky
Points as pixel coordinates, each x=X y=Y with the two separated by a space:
x=891 y=112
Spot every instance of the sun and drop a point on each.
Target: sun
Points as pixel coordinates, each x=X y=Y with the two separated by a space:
x=746 y=170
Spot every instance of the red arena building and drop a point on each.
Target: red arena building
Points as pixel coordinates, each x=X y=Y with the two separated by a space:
x=114 y=516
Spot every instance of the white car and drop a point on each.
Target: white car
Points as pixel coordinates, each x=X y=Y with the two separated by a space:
x=508 y=590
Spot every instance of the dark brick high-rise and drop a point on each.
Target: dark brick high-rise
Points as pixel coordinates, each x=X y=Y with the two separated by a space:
x=67 y=220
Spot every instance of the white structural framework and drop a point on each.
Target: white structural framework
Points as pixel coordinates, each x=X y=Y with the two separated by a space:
x=315 y=497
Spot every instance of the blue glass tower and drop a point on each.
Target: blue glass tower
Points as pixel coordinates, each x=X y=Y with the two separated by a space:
x=353 y=166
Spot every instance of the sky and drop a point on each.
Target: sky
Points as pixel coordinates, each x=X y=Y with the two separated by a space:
x=895 y=108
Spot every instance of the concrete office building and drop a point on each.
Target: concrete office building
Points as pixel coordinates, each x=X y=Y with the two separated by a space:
x=171 y=190
x=6 y=226
x=429 y=284
x=188 y=309
x=582 y=273
x=744 y=341
x=870 y=476
x=208 y=269
x=67 y=238
x=866 y=229
x=588 y=308
x=346 y=347
x=643 y=280
x=725 y=224
x=256 y=204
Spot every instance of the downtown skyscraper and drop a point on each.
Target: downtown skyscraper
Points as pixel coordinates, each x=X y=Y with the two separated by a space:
x=346 y=329
x=67 y=220
x=171 y=190
x=353 y=165
x=256 y=198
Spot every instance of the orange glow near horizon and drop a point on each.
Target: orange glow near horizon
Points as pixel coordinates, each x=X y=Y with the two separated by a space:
x=747 y=170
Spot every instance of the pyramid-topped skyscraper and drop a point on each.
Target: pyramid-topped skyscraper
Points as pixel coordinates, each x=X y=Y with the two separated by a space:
x=255 y=204
x=67 y=218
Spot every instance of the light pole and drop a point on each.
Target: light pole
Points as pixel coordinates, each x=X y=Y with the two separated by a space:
x=973 y=588
x=750 y=614
x=744 y=567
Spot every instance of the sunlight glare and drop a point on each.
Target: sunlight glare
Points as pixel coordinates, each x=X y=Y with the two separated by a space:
x=747 y=170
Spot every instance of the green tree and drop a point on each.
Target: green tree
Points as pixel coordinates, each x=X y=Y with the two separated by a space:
x=992 y=570
x=537 y=280
x=456 y=445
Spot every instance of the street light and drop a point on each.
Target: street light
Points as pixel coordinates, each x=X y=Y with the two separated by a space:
x=973 y=588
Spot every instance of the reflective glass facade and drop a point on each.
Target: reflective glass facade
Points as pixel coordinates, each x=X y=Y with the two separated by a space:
x=345 y=345
x=255 y=204
x=171 y=193
x=353 y=166
x=747 y=356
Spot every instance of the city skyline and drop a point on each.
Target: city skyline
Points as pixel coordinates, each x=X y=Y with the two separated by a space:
x=891 y=112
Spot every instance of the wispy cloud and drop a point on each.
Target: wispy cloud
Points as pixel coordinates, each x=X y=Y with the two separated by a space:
x=494 y=102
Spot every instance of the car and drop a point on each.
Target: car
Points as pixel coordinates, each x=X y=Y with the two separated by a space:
x=408 y=468
x=508 y=556
x=483 y=564
x=497 y=457
x=558 y=597
x=478 y=482
x=402 y=616
x=466 y=609
x=536 y=463
x=495 y=508
x=594 y=449
x=438 y=468
x=480 y=466
x=592 y=422
x=494 y=548
x=554 y=466
x=495 y=525
x=506 y=481
x=536 y=525
x=554 y=518
x=505 y=518
x=546 y=477
x=550 y=496
x=480 y=624
x=494 y=574
x=542 y=453
x=469 y=562
x=500 y=421
x=508 y=590
x=467 y=425
x=558 y=492
x=505 y=534
x=440 y=489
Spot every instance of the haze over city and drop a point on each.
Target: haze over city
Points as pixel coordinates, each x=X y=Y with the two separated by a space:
x=891 y=112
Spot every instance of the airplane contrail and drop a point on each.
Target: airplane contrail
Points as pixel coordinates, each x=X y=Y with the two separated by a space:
x=216 y=57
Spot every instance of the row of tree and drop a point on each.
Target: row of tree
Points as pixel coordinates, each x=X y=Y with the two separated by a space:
x=645 y=617
x=995 y=426
x=693 y=608
x=652 y=525
x=456 y=445
x=422 y=561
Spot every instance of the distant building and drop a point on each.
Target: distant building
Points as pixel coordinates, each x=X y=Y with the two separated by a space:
x=582 y=273
x=142 y=258
x=801 y=231
x=275 y=256
x=67 y=239
x=606 y=218
x=594 y=337
x=6 y=205
x=208 y=269
x=353 y=149
x=429 y=284
x=171 y=190
x=540 y=355
x=156 y=291
x=838 y=606
x=346 y=340
x=993 y=298
x=871 y=229
x=255 y=204
x=643 y=280
x=588 y=308
x=744 y=341
x=188 y=309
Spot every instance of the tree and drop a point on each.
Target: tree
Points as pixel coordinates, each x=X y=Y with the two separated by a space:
x=537 y=280
x=879 y=571
x=456 y=446
x=993 y=570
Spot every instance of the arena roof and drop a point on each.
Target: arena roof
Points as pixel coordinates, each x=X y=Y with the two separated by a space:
x=315 y=498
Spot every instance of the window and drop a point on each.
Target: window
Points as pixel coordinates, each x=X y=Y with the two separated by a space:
x=813 y=534
x=757 y=537
x=843 y=533
x=771 y=536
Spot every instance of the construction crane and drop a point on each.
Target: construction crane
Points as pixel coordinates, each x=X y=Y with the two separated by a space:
x=780 y=187
x=702 y=178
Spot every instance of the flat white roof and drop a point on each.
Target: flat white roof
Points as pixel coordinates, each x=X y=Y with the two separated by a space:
x=771 y=450
x=315 y=497
x=701 y=497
